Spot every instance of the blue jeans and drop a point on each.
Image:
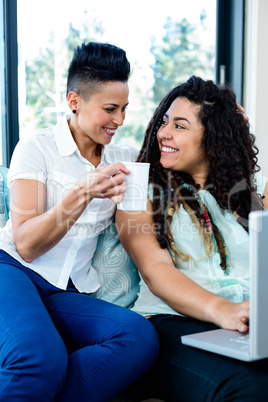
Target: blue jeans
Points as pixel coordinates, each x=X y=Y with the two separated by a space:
x=65 y=346
x=187 y=374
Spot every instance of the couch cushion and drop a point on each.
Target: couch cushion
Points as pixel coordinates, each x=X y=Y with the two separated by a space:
x=117 y=273
x=4 y=196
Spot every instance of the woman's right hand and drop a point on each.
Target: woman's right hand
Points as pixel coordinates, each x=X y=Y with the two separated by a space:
x=234 y=316
x=104 y=182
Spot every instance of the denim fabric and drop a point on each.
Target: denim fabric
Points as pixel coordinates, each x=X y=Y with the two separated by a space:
x=187 y=374
x=58 y=345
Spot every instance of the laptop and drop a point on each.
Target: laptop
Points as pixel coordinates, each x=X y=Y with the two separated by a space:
x=254 y=344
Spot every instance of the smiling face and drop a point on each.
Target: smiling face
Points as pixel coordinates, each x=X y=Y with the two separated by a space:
x=97 y=119
x=180 y=141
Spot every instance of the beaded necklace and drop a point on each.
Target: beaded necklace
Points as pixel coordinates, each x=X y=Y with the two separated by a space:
x=201 y=205
x=207 y=218
x=155 y=131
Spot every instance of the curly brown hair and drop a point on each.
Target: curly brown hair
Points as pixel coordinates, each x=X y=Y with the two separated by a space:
x=232 y=158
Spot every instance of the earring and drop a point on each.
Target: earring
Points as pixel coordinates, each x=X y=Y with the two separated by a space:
x=74 y=111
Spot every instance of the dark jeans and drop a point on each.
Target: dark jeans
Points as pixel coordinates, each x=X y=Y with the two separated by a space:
x=65 y=346
x=187 y=374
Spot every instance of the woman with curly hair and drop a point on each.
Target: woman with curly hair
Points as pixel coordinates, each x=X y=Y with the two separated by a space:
x=194 y=259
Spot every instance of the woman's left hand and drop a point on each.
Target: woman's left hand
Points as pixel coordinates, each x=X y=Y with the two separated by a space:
x=104 y=182
x=234 y=316
x=240 y=109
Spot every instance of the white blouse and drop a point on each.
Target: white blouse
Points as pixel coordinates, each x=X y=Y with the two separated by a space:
x=52 y=157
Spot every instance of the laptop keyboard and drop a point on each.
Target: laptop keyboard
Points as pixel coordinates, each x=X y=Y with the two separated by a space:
x=241 y=339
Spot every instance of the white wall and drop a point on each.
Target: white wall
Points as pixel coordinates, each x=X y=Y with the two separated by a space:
x=256 y=75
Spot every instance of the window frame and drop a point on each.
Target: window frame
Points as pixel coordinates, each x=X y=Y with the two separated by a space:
x=230 y=37
x=9 y=79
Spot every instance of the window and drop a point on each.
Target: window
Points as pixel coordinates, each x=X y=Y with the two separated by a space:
x=165 y=45
x=49 y=31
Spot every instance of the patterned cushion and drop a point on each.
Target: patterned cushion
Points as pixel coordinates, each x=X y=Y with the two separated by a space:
x=117 y=273
x=4 y=196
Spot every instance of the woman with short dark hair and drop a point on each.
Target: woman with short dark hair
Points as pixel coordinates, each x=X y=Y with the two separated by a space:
x=57 y=342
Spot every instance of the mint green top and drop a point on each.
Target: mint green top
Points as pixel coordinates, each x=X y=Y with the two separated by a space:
x=206 y=271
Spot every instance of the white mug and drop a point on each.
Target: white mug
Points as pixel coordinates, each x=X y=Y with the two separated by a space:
x=136 y=187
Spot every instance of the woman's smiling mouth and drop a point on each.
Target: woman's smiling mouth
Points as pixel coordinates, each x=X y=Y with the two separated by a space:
x=109 y=131
x=168 y=150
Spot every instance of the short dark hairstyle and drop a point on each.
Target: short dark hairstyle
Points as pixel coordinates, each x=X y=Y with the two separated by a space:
x=94 y=64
